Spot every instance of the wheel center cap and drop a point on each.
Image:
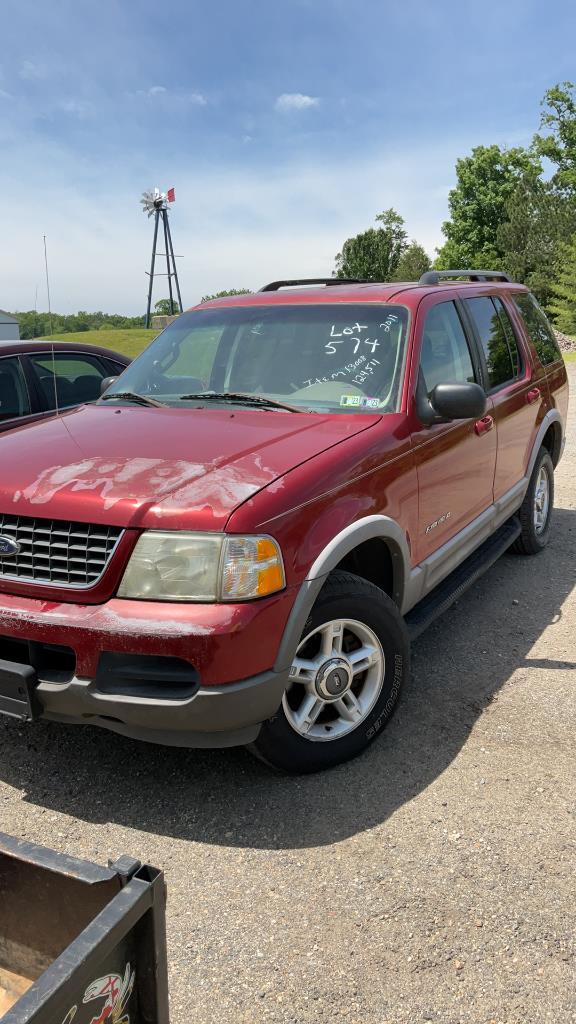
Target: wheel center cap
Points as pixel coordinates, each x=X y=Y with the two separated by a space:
x=333 y=679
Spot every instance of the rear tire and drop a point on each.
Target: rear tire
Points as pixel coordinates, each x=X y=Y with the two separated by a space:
x=536 y=510
x=349 y=668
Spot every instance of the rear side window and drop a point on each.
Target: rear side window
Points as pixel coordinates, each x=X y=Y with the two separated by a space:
x=538 y=328
x=497 y=339
x=14 y=399
x=445 y=356
x=73 y=377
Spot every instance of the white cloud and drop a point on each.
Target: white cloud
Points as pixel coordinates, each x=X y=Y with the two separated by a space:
x=76 y=108
x=196 y=99
x=160 y=92
x=295 y=101
x=5 y=95
x=32 y=72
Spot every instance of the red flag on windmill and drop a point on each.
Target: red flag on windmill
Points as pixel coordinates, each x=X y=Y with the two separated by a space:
x=171 y=195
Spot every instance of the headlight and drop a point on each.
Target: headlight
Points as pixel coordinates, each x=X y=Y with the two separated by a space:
x=202 y=567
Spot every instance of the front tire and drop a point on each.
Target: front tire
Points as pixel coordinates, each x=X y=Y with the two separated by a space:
x=345 y=680
x=536 y=510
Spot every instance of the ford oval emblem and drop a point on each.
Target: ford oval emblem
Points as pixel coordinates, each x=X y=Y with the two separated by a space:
x=9 y=547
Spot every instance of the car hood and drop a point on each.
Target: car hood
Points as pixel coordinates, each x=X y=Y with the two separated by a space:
x=157 y=468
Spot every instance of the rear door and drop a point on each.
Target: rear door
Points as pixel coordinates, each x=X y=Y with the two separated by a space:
x=455 y=461
x=518 y=397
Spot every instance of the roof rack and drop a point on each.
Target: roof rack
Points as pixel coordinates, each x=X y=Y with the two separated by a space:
x=435 y=276
x=274 y=286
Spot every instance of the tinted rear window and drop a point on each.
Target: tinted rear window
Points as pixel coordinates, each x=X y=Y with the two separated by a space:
x=497 y=339
x=539 y=330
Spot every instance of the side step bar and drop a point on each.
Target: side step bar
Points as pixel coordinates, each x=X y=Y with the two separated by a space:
x=443 y=596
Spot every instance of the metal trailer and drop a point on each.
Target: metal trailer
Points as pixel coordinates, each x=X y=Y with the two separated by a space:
x=80 y=944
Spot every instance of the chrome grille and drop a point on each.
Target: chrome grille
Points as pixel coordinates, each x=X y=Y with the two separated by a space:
x=55 y=552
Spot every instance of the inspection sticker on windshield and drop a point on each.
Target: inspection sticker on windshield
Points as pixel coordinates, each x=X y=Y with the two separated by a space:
x=359 y=401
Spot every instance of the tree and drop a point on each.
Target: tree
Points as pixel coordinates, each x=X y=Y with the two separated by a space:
x=413 y=262
x=559 y=145
x=224 y=294
x=538 y=220
x=563 y=305
x=485 y=182
x=37 y=325
x=165 y=308
x=374 y=255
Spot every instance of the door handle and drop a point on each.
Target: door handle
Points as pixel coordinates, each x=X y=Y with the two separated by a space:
x=533 y=395
x=484 y=425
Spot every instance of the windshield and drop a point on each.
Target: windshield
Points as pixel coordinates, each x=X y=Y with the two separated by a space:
x=317 y=358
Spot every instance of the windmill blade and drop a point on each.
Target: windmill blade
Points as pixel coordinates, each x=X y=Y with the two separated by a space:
x=153 y=200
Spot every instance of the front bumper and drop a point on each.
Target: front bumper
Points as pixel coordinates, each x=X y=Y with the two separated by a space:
x=228 y=650
x=218 y=716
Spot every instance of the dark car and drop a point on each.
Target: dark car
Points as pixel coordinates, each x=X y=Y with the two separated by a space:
x=36 y=377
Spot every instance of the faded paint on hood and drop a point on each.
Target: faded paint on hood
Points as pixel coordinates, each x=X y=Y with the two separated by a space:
x=157 y=468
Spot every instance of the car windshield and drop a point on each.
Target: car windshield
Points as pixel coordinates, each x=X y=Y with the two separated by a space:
x=318 y=358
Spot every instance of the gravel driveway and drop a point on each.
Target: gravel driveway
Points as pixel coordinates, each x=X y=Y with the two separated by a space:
x=430 y=880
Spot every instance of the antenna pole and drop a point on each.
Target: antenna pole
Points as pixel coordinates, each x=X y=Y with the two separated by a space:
x=47 y=284
x=170 y=248
x=165 y=223
x=156 y=219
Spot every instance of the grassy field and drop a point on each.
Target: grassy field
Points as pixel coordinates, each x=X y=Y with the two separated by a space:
x=570 y=357
x=129 y=342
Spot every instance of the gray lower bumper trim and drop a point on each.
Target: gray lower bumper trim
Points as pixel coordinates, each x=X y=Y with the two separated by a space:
x=214 y=717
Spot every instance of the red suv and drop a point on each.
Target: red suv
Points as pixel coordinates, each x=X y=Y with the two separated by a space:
x=235 y=544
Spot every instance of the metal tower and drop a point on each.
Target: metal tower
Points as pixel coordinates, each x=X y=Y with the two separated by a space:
x=155 y=204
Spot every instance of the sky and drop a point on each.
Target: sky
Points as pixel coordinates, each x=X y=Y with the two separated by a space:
x=285 y=128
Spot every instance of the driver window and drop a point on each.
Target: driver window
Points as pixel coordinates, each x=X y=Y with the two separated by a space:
x=445 y=355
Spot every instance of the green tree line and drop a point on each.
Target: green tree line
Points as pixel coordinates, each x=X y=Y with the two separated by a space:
x=37 y=325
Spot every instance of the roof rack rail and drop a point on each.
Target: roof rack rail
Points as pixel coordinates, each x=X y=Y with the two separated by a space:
x=435 y=276
x=274 y=286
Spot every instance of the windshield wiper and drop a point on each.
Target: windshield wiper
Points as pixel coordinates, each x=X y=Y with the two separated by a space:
x=240 y=398
x=131 y=396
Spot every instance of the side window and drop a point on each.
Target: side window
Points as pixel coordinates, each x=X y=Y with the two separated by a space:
x=515 y=355
x=492 y=324
x=14 y=400
x=73 y=376
x=114 y=368
x=538 y=328
x=445 y=357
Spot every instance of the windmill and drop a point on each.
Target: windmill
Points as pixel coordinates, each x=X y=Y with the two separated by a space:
x=155 y=204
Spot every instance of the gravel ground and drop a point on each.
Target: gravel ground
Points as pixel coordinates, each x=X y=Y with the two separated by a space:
x=432 y=879
x=566 y=343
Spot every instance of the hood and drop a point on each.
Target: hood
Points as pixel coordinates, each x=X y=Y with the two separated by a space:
x=157 y=468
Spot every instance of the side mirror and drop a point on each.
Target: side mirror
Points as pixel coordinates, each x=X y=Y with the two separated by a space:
x=458 y=401
x=105 y=383
x=449 y=402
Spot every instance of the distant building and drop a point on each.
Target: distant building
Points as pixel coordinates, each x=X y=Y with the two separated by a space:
x=8 y=327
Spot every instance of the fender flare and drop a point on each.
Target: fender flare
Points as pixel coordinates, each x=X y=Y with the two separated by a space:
x=369 y=528
x=552 y=416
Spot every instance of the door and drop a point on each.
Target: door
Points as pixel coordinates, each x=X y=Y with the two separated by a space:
x=455 y=461
x=518 y=399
